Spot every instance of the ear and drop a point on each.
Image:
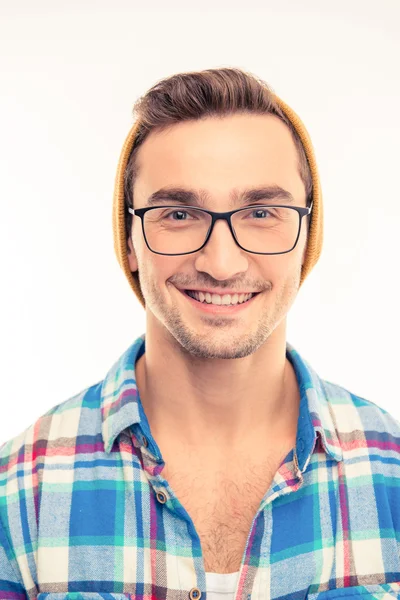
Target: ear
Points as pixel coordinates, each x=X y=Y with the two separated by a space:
x=304 y=251
x=303 y=258
x=132 y=259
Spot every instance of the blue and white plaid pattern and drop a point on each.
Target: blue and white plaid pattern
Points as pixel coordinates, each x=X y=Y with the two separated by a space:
x=85 y=512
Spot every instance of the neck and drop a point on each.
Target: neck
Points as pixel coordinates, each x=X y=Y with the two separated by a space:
x=218 y=404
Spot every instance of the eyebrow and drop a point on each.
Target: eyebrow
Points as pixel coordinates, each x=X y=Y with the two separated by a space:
x=192 y=197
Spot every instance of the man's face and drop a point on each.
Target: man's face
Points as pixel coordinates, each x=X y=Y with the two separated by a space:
x=215 y=156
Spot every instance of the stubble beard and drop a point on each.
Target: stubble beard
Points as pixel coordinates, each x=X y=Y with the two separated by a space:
x=216 y=336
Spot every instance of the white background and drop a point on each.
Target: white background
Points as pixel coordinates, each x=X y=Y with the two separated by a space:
x=70 y=73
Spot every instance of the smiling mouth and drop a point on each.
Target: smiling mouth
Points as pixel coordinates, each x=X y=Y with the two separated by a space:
x=216 y=299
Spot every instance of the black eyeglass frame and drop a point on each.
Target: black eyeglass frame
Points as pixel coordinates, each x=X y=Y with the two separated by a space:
x=225 y=216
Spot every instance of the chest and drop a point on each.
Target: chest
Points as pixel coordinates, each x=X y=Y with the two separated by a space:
x=222 y=504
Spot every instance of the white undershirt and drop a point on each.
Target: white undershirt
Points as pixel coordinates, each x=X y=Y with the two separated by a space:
x=221 y=586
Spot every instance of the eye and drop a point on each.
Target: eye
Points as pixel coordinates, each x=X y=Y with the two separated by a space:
x=261 y=210
x=182 y=212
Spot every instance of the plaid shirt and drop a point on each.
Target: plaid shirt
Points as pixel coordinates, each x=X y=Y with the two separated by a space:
x=85 y=512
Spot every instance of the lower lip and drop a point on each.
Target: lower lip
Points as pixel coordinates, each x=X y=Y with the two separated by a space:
x=219 y=309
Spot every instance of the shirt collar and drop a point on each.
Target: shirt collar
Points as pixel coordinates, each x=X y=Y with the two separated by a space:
x=121 y=406
x=316 y=414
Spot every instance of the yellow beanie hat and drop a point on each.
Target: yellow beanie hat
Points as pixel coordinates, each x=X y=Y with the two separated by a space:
x=315 y=232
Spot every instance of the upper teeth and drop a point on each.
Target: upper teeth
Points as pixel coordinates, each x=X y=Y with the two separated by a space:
x=217 y=299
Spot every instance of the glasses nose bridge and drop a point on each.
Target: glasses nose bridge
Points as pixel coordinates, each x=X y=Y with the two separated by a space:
x=221 y=216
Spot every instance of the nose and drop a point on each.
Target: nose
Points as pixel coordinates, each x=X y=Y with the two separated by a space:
x=221 y=257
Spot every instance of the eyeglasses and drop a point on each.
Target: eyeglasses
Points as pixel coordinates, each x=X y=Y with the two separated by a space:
x=276 y=232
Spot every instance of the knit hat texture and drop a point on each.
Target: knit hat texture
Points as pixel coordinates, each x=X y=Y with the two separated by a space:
x=315 y=232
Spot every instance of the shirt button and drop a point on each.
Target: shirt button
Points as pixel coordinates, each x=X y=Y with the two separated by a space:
x=145 y=442
x=162 y=498
x=194 y=594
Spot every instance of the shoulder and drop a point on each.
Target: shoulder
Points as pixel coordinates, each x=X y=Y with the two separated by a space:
x=363 y=424
x=56 y=432
x=353 y=411
x=37 y=460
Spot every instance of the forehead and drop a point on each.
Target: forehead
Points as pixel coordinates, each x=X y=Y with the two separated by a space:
x=219 y=154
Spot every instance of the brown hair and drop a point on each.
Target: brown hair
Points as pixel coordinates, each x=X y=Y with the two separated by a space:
x=197 y=95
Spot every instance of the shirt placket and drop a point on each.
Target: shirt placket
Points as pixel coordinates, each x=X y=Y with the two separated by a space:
x=253 y=582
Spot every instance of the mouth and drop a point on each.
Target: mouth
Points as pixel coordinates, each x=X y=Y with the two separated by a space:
x=209 y=307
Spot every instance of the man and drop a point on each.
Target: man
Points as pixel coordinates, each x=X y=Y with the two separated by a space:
x=211 y=461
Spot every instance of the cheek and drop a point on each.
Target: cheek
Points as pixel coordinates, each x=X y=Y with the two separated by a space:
x=159 y=269
x=280 y=268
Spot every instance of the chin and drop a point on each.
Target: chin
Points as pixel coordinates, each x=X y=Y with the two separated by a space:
x=220 y=345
